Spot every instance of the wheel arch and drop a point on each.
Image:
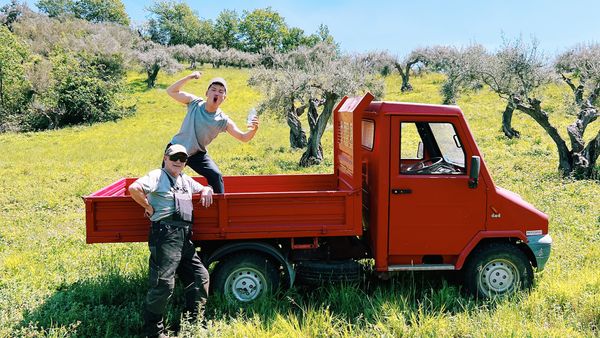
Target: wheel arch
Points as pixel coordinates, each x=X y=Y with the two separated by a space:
x=516 y=238
x=263 y=248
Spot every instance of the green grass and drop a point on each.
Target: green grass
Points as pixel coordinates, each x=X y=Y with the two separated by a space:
x=53 y=284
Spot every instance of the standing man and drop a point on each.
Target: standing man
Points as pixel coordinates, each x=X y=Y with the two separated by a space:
x=203 y=123
x=166 y=196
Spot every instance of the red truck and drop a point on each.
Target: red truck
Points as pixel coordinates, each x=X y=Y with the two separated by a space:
x=409 y=190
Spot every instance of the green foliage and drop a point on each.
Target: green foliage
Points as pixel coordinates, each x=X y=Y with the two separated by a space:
x=226 y=30
x=90 y=10
x=173 y=23
x=55 y=285
x=261 y=28
x=80 y=93
x=13 y=84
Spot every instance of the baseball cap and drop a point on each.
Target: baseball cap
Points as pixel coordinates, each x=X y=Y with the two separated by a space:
x=175 y=149
x=218 y=80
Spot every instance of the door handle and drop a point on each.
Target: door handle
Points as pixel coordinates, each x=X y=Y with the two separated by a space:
x=401 y=191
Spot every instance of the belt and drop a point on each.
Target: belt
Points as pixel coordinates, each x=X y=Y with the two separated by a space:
x=173 y=219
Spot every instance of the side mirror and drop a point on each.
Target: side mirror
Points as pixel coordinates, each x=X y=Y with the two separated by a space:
x=474 y=173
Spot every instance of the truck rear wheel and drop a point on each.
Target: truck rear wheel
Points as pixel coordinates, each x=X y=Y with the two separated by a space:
x=497 y=269
x=245 y=277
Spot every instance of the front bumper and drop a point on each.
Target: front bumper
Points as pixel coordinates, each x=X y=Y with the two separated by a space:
x=541 y=246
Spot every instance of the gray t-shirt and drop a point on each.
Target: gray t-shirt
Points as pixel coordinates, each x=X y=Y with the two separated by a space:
x=199 y=127
x=157 y=187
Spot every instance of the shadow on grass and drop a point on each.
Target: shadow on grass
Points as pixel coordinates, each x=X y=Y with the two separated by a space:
x=411 y=295
x=109 y=306
x=140 y=86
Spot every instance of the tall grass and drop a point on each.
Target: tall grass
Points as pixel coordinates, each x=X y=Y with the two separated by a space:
x=53 y=284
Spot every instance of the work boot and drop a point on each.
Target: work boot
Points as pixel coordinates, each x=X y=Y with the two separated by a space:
x=153 y=324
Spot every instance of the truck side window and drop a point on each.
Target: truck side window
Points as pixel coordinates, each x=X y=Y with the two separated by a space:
x=368 y=134
x=430 y=148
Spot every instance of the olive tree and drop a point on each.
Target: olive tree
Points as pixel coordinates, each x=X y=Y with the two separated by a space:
x=285 y=85
x=153 y=57
x=410 y=63
x=460 y=65
x=44 y=34
x=518 y=73
x=312 y=79
x=579 y=68
x=515 y=72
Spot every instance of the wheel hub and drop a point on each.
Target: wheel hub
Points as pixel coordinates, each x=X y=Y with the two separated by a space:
x=498 y=277
x=245 y=285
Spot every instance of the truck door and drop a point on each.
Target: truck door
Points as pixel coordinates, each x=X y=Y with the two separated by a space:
x=432 y=210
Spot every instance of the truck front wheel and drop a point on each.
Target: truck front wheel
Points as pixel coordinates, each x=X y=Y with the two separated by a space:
x=497 y=269
x=245 y=277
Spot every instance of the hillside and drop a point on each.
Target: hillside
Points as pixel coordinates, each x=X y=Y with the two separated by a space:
x=53 y=284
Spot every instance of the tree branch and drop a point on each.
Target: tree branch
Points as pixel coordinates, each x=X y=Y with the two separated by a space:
x=533 y=109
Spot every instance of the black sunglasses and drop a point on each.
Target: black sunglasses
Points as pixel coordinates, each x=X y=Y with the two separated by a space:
x=178 y=157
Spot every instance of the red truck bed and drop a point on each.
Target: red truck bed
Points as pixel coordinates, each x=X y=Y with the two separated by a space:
x=274 y=206
x=268 y=206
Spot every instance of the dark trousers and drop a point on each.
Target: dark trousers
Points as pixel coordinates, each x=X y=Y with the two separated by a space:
x=204 y=165
x=172 y=252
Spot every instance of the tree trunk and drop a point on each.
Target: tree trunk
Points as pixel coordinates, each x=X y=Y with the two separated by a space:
x=405 y=74
x=591 y=152
x=314 y=152
x=297 y=134
x=507 y=120
x=533 y=109
x=406 y=86
x=152 y=74
x=583 y=157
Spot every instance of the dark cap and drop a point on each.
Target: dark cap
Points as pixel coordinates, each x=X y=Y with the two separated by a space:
x=218 y=80
x=176 y=149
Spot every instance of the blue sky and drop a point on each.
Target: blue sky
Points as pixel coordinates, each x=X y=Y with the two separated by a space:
x=400 y=26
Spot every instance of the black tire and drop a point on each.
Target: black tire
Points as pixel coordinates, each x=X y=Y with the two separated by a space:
x=497 y=269
x=245 y=277
x=319 y=272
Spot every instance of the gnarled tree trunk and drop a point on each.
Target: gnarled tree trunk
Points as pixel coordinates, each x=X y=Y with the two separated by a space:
x=533 y=108
x=152 y=74
x=507 y=115
x=583 y=156
x=405 y=74
x=297 y=134
x=314 y=152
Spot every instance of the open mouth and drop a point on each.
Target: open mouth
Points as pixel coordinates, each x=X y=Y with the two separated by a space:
x=215 y=99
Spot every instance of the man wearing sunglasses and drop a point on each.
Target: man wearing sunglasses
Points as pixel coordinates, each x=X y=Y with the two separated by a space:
x=166 y=196
x=203 y=123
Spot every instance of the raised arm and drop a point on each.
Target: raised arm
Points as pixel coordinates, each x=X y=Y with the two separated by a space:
x=175 y=91
x=234 y=131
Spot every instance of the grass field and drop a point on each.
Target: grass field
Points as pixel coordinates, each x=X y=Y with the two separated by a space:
x=53 y=284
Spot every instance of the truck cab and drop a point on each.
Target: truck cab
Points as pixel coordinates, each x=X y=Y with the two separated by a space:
x=443 y=210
